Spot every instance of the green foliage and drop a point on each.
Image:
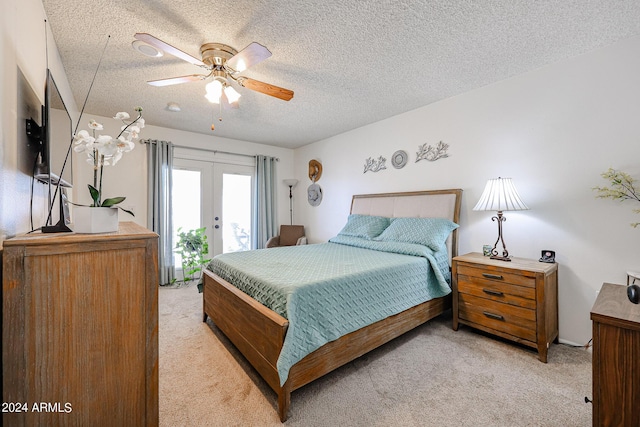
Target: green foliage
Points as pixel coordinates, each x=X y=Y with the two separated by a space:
x=95 y=195
x=192 y=246
x=621 y=187
x=107 y=203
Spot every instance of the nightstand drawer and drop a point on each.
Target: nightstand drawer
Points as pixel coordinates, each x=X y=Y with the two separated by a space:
x=517 y=321
x=498 y=275
x=521 y=296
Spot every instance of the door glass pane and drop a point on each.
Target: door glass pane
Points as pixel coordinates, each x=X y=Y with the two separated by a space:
x=185 y=204
x=236 y=212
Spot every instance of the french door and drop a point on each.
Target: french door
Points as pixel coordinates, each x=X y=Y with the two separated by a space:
x=232 y=191
x=216 y=196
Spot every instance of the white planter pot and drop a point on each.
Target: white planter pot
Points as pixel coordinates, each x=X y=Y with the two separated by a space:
x=94 y=220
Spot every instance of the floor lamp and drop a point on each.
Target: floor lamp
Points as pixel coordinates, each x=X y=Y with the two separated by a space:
x=290 y=183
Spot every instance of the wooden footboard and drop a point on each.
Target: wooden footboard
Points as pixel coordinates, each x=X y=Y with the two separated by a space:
x=255 y=330
x=259 y=332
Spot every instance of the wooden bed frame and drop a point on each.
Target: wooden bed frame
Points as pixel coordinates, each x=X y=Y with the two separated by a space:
x=259 y=332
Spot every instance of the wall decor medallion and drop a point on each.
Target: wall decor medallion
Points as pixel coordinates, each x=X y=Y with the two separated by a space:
x=399 y=159
x=374 y=165
x=427 y=152
x=314 y=194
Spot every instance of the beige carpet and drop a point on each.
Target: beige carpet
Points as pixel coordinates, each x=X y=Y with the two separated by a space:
x=431 y=376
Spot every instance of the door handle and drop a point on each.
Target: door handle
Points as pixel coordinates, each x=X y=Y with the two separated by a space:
x=216 y=226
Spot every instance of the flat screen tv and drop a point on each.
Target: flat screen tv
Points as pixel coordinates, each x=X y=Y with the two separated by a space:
x=56 y=138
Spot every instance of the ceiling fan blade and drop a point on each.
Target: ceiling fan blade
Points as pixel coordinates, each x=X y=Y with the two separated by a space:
x=267 y=89
x=177 y=80
x=167 y=48
x=248 y=57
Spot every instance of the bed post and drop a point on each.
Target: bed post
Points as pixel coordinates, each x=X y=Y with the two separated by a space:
x=284 y=399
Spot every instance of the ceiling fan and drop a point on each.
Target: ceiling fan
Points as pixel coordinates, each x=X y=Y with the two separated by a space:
x=223 y=63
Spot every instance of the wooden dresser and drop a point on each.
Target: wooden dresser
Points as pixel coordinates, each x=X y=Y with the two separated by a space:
x=616 y=358
x=516 y=300
x=80 y=329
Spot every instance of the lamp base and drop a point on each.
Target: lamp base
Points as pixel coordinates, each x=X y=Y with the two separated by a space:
x=494 y=252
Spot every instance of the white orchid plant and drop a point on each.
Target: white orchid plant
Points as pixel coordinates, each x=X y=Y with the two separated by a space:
x=104 y=150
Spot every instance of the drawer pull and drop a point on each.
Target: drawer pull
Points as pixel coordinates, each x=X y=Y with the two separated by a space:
x=492 y=276
x=492 y=292
x=492 y=316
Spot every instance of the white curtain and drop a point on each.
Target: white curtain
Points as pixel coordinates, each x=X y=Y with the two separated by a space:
x=160 y=168
x=264 y=202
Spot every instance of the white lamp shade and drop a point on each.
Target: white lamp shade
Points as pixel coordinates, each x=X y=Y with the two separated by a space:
x=290 y=182
x=500 y=195
x=214 y=91
x=232 y=94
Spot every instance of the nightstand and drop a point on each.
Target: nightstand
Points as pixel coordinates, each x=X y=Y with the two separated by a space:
x=516 y=300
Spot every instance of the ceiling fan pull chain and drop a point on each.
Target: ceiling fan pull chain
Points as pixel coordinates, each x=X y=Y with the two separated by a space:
x=213 y=125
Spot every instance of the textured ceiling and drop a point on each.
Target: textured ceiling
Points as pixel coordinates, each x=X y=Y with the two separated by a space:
x=350 y=63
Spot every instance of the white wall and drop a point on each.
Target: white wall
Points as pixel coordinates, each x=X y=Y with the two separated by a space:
x=553 y=130
x=128 y=178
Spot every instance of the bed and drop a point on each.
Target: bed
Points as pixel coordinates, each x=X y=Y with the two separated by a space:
x=268 y=331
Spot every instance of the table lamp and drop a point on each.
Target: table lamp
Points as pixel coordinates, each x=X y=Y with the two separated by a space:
x=500 y=195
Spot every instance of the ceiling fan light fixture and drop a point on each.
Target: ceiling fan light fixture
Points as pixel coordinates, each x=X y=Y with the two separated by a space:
x=232 y=95
x=146 y=49
x=212 y=99
x=214 y=91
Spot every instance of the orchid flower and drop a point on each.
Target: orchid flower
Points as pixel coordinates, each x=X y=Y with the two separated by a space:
x=104 y=150
x=95 y=125
x=122 y=116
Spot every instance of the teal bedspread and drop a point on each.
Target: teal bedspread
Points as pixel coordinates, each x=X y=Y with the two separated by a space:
x=331 y=289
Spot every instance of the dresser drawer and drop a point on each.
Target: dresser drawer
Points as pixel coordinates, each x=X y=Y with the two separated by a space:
x=498 y=275
x=521 y=296
x=516 y=321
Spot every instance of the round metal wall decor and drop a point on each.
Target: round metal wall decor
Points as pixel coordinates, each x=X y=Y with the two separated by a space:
x=399 y=159
x=314 y=194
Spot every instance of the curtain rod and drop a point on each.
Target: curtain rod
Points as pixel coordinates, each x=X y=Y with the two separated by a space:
x=151 y=141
